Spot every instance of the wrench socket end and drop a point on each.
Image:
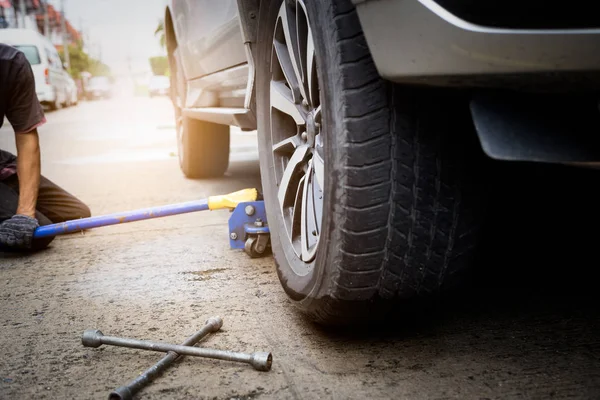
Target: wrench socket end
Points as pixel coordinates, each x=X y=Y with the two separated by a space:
x=121 y=393
x=262 y=361
x=92 y=338
x=215 y=323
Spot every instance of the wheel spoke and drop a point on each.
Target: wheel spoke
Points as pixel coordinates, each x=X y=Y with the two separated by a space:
x=319 y=167
x=304 y=231
x=308 y=218
x=288 y=23
x=317 y=194
x=301 y=37
x=283 y=56
x=297 y=213
x=287 y=179
x=311 y=79
x=287 y=145
x=281 y=99
x=317 y=115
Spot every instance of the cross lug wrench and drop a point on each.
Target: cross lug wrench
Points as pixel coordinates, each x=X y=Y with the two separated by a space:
x=261 y=361
x=127 y=392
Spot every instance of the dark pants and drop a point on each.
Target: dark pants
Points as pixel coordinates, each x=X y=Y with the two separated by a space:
x=54 y=205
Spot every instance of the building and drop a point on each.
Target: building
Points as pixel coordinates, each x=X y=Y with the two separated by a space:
x=35 y=18
x=12 y=17
x=55 y=28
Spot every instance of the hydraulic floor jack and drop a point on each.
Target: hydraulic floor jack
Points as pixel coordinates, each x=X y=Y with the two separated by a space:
x=248 y=230
x=248 y=227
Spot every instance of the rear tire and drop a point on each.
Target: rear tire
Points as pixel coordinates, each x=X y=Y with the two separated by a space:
x=399 y=212
x=55 y=105
x=203 y=147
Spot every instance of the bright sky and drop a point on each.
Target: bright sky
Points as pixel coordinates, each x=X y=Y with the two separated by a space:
x=117 y=29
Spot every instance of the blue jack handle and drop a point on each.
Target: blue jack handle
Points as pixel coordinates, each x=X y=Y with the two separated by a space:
x=212 y=203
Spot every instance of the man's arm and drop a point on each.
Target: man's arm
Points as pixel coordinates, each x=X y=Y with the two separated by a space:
x=25 y=114
x=28 y=171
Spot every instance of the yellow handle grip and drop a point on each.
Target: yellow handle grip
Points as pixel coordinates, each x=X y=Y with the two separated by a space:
x=231 y=200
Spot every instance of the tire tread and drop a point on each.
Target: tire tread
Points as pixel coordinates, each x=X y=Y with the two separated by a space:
x=401 y=211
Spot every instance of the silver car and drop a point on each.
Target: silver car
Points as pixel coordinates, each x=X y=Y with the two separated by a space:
x=371 y=117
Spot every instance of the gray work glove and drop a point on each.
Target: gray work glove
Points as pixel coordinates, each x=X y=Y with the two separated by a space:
x=17 y=232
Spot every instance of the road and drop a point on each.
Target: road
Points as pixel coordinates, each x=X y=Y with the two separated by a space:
x=525 y=325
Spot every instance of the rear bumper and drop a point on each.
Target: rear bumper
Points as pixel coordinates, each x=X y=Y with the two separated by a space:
x=45 y=94
x=97 y=94
x=418 y=41
x=159 y=92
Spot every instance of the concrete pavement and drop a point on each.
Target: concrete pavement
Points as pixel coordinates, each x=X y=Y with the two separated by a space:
x=161 y=279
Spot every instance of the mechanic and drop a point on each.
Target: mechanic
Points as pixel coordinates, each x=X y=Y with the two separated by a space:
x=27 y=199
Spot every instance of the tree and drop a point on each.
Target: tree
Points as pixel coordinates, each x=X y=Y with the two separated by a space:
x=159 y=65
x=81 y=61
x=98 y=68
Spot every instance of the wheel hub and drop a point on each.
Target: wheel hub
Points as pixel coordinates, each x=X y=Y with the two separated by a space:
x=311 y=129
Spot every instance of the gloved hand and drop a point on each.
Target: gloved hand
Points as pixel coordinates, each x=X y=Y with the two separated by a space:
x=17 y=232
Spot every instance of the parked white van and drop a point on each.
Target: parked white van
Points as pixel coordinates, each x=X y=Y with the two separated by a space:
x=51 y=83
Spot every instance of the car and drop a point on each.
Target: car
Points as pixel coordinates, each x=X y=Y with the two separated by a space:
x=373 y=120
x=51 y=84
x=159 y=85
x=98 y=87
x=72 y=91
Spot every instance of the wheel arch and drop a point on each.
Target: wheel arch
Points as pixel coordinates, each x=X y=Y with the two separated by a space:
x=248 y=11
x=171 y=39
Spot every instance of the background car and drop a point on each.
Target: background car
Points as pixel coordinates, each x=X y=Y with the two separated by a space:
x=371 y=117
x=51 y=84
x=159 y=85
x=98 y=87
x=72 y=95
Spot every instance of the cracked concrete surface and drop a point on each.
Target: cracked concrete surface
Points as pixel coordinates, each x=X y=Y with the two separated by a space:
x=162 y=279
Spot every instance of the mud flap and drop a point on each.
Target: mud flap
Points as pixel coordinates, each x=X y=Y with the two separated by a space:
x=538 y=127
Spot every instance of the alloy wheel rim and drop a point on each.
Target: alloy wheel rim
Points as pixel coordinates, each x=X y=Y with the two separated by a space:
x=296 y=130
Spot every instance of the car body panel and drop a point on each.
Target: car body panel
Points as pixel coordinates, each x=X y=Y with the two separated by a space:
x=414 y=40
x=98 y=87
x=411 y=41
x=209 y=35
x=159 y=85
x=72 y=90
x=219 y=89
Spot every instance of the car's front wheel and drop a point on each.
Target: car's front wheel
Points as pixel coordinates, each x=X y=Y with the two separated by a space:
x=367 y=196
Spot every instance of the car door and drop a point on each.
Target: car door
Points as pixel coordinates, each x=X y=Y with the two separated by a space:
x=209 y=35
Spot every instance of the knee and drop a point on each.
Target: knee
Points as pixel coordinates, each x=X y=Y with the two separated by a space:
x=84 y=211
x=77 y=212
x=41 y=243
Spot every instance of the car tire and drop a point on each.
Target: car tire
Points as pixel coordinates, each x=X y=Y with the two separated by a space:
x=203 y=147
x=55 y=105
x=400 y=208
